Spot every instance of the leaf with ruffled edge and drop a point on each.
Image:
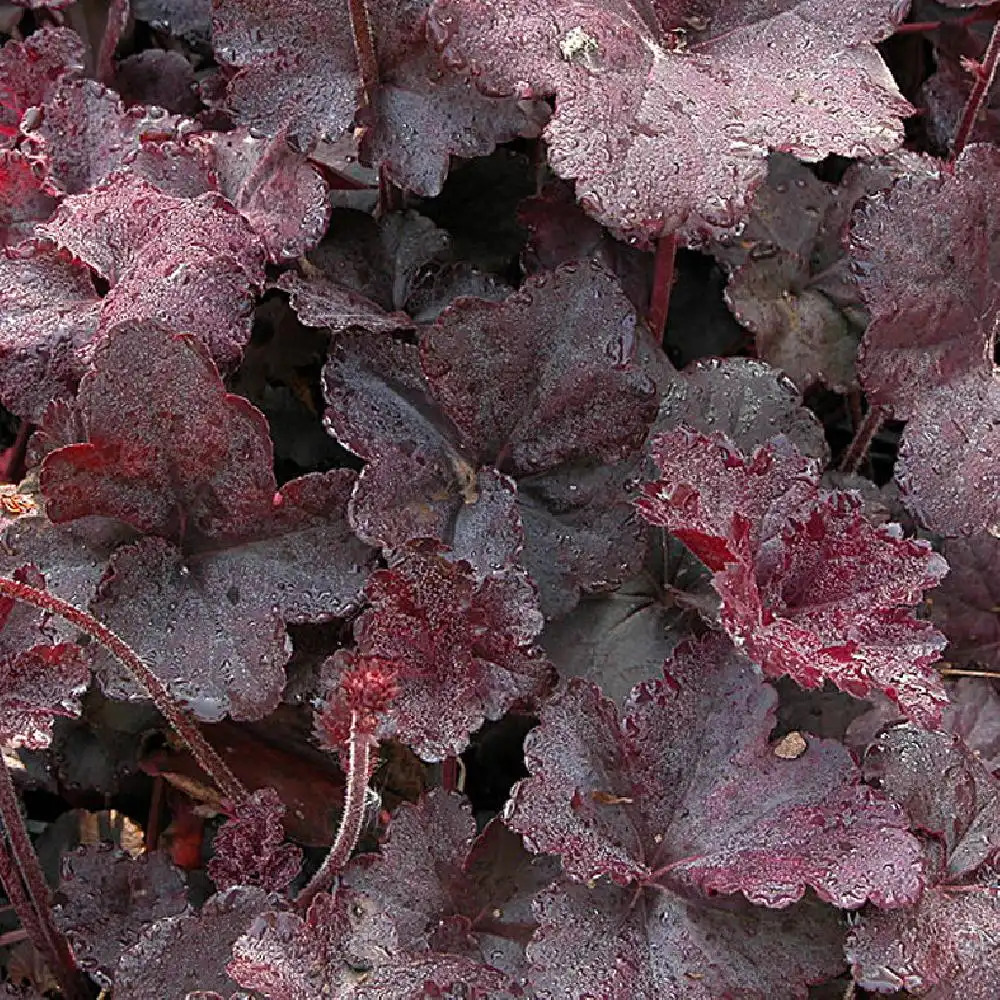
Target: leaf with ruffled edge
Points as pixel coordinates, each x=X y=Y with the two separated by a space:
x=473 y=898
x=462 y=647
x=250 y=847
x=290 y=957
x=685 y=791
x=928 y=264
x=189 y=463
x=31 y=70
x=106 y=899
x=181 y=954
x=192 y=263
x=629 y=82
x=809 y=586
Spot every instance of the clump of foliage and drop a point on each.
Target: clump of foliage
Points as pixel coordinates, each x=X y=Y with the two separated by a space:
x=501 y=498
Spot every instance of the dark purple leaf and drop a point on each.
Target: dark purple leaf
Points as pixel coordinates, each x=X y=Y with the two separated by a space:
x=287 y=957
x=747 y=400
x=297 y=69
x=424 y=113
x=945 y=949
x=966 y=606
x=168 y=450
x=85 y=134
x=382 y=260
x=562 y=232
x=928 y=269
x=158 y=77
x=946 y=470
x=961 y=807
x=281 y=195
x=178 y=955
x=40 y=681
x=218 y=615
x=49 y=314
x=192 y=263
x=479 y=399
x=753 y=80
x=433 y=871
x=106 y=899
x=607 y=942
x=685 y=792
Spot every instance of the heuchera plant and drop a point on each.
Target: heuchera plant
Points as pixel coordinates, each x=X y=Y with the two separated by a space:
x=383 y=614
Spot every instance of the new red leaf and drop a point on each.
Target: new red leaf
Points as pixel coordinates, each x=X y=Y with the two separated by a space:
x=462 y=647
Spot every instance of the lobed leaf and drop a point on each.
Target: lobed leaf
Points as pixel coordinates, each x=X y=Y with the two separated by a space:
x=753 y=80
x=684 y=792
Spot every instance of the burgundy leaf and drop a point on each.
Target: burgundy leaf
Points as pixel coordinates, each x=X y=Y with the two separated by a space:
x=783 y=263
x=480 y=399
x=946 y=470
x=287 y=957
x=710 y=493
x=945 y=949
x=281 y=195
x=211 y=623
x=809 y=586
x=181 y=954
x=604 y=942
x=961 y=807
x=165 y=256
x=49 y=314
x=250 y=847
x=424 y=112
x=317 y=301
x=462 y=646
x=107 y=898
x=615 y=70
x=432 y=870
x=533 y=417
x=23 y=199
x=678 y=793
x=31 y=70
x=297 y=69
x=37 y=685
x=85 y=134
x=168 y=450
x=807 y=617
x=928 y=268
x=487 y=531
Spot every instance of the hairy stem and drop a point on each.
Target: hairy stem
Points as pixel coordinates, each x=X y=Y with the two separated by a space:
x=982 y=81
x=663 y=283
x=24 y=884
x=863 y=436
x=182 y=723
x=359 y=752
